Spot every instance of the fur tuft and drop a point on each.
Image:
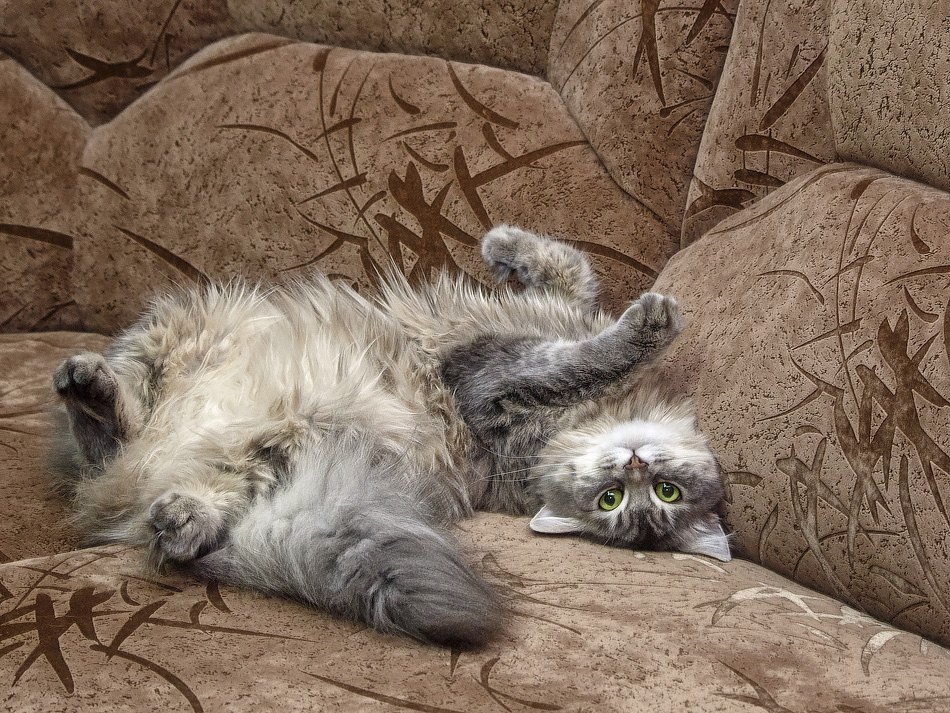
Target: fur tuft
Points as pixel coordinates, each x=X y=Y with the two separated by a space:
x=373 y=558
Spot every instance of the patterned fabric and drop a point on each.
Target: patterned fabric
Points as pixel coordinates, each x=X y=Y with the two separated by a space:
x=32 y=516
x=809 y=82
x=269 y=158
x=817 y=347
x=640 y=77
x=770 y=121
x=590 y=629
x=501 y=33
x=41 y=141
x=889 y=85
x=100 y=55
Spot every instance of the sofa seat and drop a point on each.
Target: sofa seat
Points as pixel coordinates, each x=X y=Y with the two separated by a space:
x=590 y=628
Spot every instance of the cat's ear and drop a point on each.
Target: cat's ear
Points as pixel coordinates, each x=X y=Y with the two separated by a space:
x=707 y=538
x=550 y=524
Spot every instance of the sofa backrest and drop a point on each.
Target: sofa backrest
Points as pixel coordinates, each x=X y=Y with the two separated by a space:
x=807 y=82
x=888 y=81
x=640 y=78
x=635 y=80
x=99 y=55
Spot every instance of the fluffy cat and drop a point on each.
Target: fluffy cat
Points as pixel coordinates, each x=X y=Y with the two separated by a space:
x=311 y=442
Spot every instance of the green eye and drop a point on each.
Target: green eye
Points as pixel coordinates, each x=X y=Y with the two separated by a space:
x=610 y=499
x=667 y=492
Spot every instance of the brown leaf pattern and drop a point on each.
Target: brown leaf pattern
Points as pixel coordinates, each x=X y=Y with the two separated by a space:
x=846 y=370
x=640 y=77
x=100 y=56
x=38 y=176
x=84 y=626
x=768 y=125
x=278 y=161
x=91 y=625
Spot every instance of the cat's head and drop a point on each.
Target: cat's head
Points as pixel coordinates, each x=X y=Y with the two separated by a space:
x=638 y=483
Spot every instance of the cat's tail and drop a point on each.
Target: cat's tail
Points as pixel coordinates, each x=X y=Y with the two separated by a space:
x=365 y=553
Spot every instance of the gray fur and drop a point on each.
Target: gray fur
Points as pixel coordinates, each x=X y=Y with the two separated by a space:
x=310 y=442
x=359 y=547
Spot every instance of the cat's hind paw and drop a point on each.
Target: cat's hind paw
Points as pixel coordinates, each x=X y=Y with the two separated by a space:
x=540 y=263
x=86 y=378
x=185 y=527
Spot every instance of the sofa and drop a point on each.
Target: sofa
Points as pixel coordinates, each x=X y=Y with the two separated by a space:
x=781 y=168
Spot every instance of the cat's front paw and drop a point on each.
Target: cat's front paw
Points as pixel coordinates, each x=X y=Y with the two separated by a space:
x=653 y=321
x=86 y=378
x=184 y=526
x=509 y=250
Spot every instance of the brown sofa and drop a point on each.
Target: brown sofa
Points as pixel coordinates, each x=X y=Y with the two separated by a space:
x=782 y=168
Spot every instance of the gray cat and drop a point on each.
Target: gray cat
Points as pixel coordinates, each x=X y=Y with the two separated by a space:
x=310 y=442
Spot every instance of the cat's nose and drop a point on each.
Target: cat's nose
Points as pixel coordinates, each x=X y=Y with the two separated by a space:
x=634 y=463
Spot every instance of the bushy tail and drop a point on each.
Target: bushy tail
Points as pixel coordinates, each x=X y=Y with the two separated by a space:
x=341 y=537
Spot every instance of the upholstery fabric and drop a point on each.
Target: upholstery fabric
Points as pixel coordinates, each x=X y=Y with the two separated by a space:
x=640 y=77
x=33 y=516
x=889 y=85
x=149 y=144
x=37 y=188
x=100 y=55
x=591 y=629
x=813 y=81
x=269 y=158
x=511 y=34
x=817 y=348
x=770 y=120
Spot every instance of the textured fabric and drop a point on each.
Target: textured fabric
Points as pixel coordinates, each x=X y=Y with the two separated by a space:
x=500 y=33
x=640 y=78
x=100 y=55
x=591 y=629
x=32 y=517
x=817 y=347
x=268 y=158
x=889 y=85
x=41 y=141
x=770 y=120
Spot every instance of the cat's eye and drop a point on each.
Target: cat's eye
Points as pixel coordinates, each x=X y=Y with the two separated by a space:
x=667 y=492
x=610 y=499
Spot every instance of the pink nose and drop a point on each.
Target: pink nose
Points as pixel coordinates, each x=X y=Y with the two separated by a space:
x=634 y=463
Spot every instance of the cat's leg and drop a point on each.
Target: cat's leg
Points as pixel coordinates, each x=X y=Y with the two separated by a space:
x=192 y=517
x=500 y=378
x=101 y=414
x=347 y=535
x=540 y=263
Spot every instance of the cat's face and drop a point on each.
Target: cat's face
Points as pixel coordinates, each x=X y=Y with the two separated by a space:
x=635 y=484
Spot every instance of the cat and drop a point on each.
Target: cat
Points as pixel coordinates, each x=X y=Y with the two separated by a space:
x=310 y=442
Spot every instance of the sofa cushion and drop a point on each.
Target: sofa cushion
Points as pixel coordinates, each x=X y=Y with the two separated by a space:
x=809 y=82
x=591 y=628
x=268 y=158
x=817 y=348
x=640 y=79
x=42 y=141
x=100 y=55
x=32 y=515
x=889 y=85
x=770 y=120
